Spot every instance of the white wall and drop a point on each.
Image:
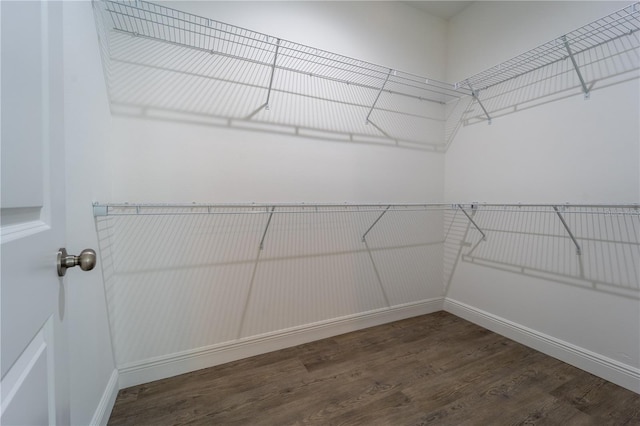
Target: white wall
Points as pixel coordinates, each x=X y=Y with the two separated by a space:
x=314 y=271
x=553 y=150
x=87 y=128
x=176 y=161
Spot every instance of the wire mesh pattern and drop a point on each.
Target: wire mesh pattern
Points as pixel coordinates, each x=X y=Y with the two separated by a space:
x=173 y=26
x=620 y=24
x=533 y=240
x=165 y=62
x=185 y=276
x=182 y=277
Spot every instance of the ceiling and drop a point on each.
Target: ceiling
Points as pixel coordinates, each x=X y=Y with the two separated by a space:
x=441 y=9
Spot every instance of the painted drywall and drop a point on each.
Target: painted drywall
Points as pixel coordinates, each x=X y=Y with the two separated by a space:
x=160 y=155
x=176 y=162
x=180 y=285
x=548 y=149
x=87 y=129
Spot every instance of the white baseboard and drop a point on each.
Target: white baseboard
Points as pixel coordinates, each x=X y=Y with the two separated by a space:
x=609 y=369
x=184 y=362
x=103 y=411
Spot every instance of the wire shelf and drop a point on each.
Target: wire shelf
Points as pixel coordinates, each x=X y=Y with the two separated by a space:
x=149 y=20
x=162 y=63
x=619 y=24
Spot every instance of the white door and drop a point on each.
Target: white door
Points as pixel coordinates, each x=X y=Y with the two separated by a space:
x=35 y=383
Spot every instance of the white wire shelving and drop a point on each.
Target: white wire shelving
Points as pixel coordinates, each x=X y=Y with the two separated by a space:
x=253 y=80
x=144 y=19
x=469 y=210
x=620 y=24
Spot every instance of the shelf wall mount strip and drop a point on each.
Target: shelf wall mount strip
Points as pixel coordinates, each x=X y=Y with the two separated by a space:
x=585 y=89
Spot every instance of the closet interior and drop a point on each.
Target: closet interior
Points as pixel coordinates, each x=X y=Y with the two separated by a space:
x=190 y=285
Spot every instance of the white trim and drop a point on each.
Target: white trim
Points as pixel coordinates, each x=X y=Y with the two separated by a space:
x=609 y=369
x=103 y=410
x=184 y=362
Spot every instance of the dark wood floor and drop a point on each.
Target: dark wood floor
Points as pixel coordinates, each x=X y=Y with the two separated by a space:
x=434 y=369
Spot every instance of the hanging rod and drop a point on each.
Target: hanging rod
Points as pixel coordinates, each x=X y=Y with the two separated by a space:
x=622 y=23
x=132 y=209
x=592 y=209
x=166 y=209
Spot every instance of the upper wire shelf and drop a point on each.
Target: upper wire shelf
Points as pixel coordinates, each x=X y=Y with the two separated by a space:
x=167 y=64
x=621 y=23
x=149 y=20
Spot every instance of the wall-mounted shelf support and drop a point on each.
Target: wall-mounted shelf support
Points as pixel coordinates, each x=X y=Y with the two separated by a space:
x=566 y=227
x=266 y=228
x=585 y=89
x=374 y=224
x=273 y=71
x=474 y=93
x=484 y=237
x=378 y=97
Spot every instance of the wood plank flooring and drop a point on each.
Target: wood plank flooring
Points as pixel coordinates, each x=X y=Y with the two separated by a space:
x=434 y=369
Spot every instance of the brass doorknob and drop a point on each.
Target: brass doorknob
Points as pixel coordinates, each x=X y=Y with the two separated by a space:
x=86 y=260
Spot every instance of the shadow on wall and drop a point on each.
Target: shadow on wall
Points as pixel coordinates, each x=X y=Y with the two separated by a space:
x=162 y=64
x=533 y=241
x=605 y=65
x=178 y=281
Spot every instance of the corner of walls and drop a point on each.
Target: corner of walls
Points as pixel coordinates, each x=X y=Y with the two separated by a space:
x=546 y=153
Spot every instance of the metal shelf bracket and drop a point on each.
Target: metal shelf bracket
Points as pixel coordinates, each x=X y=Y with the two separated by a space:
x=585 y=89
x=378 y=97
x=273 y=71
x=266 y=228
x=566 y=227
x=484 y=236
x=474 y=93
x=374 y=224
